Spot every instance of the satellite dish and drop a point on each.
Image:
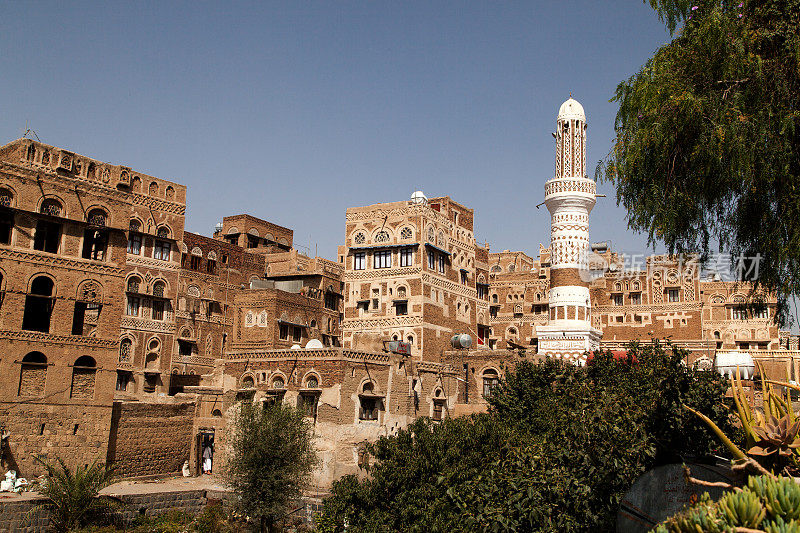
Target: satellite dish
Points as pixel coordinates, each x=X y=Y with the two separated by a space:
x=296 y=347
x=419 y=197
x=314 y=344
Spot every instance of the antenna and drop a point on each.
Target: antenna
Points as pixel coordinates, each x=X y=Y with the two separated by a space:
x=28 y=131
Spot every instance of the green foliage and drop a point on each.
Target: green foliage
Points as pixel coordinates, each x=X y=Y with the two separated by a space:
x=557 y=451
x=770 y=504
x=272 y=457
x=73 y=498
x=707 y=144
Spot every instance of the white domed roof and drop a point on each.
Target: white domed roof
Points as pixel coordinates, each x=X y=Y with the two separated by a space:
x=419 y=197
x=314 y=344
x=571 y=109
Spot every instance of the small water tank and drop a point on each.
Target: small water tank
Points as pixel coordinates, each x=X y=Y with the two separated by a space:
x=418 y=197
x=726 y=363
x=461 y=340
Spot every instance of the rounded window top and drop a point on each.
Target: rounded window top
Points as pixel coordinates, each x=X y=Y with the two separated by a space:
x=312 y=382
x=51 y=207
x=135 y=225
x=359 y=238
x=406 y=233
x=42 y=286
x=37 y=358
x=368 y=387
x=6 y=197
x=163 y=231
x=86 y=361
x=97 y=217
x=382 y=236
x=248 y=382
x=278 y=383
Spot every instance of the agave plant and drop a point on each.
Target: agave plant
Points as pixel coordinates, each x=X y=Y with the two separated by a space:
x=776 y=436
x=73 y=498
x=771 y=433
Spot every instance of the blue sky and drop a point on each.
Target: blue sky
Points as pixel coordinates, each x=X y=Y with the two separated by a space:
x=294 y=111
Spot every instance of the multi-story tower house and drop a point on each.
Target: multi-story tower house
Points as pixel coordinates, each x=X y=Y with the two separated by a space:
x=65 y=234
x=569 y=197
x=147 y=338
x=411 y=274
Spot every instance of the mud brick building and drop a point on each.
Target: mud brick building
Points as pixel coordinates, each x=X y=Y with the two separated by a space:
x=351 y=397
x=66 y=275
x=412 y=273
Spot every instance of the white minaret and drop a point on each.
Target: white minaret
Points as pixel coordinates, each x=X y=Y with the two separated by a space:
x=570 y=197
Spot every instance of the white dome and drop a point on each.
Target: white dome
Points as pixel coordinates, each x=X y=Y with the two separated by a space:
x=419 y=197
x=571 y=109
x=314 y=344
x=296 y=347
x=726 y=363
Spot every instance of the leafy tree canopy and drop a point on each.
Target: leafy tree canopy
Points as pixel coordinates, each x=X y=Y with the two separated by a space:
x=271 y=458
x=707 y=147
x=557 y=451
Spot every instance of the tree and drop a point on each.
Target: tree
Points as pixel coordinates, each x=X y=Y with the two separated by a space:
x=73 y=498
x=707 y=147
x=271 y=459
x=557 y=451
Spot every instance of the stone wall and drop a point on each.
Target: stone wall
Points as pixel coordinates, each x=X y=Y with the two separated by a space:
x=149 y=438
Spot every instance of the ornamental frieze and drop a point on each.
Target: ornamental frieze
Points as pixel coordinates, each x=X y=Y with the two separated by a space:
x=381 y=322
x=75 y=340
x=37 y=258
x=450 y=286
x=144 y=324
x=381 y=273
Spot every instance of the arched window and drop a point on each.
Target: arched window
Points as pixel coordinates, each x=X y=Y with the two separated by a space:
x=312 y=382
x=496 y=268
x=494 y=299
x=359 y=238
x=84 y=372
x=406 y=233
x=39 y=304
x=490 y=380
x=91 y=171
x=46 y=158
x=31 y=154
x=170 y=193
x=216 y=413
x=382 y=236
x=248 y=382
x=277 y=382
x=163 y=232
x=51 y=207
x=511 y=268
x=33 y=374
x=6 y=197
x=401 y=292
x=159 y=288
x=134 y=300
x=95 y=237
x=153 y=189
x=125 y=350
x=136 y=182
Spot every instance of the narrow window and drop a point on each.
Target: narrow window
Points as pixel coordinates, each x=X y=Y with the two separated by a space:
x=406 y=257
x=616 y=299
x=39 y=305
x=123 y=379
x=331 y=301
x=358 y=260
x=441 y=263
x=83 y=377
x=369 y=409
x=185 y=348
x=401 y=308
x=47 y=236
x=6 y=224
x=431 y=261
x=284 y=331
x=490 y=381
x=134 y=238
x=195 y=263
x=297 y=333
x=132 y=308
x=307 y=404
x=33 y=374
x=94 y=244
x=636 y=298
x=211 y=266
x=161 y=250
x=158 y=309
x=382 y=259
